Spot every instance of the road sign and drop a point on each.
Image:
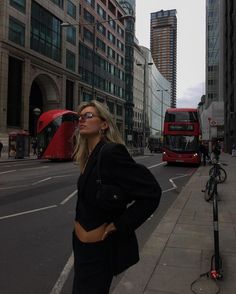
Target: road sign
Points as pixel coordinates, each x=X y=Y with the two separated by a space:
x=213 y=123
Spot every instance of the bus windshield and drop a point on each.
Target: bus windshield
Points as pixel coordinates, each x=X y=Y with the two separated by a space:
x=181 y=143
x=178 y=116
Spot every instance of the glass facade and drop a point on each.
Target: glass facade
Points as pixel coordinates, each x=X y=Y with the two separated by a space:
x=45 y=32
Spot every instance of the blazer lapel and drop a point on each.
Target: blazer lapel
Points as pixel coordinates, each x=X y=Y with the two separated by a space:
x=90 y=164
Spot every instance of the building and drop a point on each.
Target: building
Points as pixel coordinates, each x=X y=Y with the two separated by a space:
x=151 y=97
x=55 y=54
x=38 y=65
x=102 y=58
x=163 y=38
x=228 y=72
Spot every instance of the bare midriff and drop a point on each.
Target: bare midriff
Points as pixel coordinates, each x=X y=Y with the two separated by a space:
x=94 y=235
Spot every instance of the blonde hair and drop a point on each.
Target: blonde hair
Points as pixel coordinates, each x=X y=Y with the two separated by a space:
x=111 y=134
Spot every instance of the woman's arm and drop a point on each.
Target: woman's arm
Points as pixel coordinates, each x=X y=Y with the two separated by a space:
x=136 y=181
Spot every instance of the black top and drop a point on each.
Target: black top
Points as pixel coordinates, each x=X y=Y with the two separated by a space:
x=117 y=168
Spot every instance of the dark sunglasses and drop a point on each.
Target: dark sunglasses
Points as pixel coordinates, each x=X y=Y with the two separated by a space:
x=87 y=115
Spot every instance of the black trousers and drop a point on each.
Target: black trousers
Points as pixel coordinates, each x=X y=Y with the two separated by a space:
x=92 y=266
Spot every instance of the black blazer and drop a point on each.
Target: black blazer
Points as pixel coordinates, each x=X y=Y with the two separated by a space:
x=142 y=190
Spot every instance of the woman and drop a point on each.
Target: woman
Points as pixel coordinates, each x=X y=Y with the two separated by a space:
x=104 y=240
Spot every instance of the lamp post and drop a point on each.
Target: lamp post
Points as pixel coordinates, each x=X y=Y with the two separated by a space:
x=144 y=99
x=162 y=96
x=94 y=26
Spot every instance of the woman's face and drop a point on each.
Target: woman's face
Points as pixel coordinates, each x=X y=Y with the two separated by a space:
x=90 y=124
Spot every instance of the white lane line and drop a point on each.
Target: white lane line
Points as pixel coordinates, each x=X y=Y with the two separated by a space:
x=152 y=166
x=41 y=181
x=32 y=168
x=63 y=276
x=68 y=197
x=8 y=171
x=174 y=186
x=27 y=212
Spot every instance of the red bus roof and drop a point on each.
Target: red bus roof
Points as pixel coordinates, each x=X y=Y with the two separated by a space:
x=50 y=115
x=181 y=109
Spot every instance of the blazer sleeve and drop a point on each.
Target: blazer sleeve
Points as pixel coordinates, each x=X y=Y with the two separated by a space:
x=138 y=183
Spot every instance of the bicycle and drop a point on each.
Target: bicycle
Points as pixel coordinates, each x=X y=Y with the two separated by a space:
x=211 y=193
x=220 y=172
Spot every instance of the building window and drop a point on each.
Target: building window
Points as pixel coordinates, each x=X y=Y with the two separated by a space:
x=112 y=22
x=111 y=53
x=101 y=45
x=70 y=60
x=87 y=97
x=14 y=99
x=101 y=29
x=91 y=2
x=88 y=16
x=69 y=94
x=111 y=37
x=18 y=4
x=16 y=31
x=71 y=9
x=71 y=34
x=101 y=12
x=110 y=106
x=119 y=110
x=58 y=2
x=120 y=31
x=45 y=32
x=88 y=35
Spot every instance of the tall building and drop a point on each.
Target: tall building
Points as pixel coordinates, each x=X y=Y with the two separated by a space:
x=228 y=48
x=163 y=38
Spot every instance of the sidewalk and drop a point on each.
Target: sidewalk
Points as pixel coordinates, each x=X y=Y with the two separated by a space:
x=4 y=157
x=181 y=247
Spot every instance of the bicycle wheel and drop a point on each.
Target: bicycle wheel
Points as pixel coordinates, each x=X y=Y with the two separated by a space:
x=209 y=190
x=221 y=174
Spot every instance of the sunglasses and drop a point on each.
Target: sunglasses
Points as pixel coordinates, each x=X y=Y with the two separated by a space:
x=87 y=115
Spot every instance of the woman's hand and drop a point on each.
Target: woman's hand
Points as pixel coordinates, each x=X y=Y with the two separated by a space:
x=108 y=230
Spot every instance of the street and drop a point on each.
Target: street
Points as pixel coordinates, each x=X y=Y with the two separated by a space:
x=37 y=200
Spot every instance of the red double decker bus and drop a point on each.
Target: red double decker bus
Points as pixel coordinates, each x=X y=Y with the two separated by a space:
x=55 y=134
x=181 y=135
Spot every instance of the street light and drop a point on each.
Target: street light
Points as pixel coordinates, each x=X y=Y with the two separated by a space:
x=94 y=25
x=162 y=91
x=144 y=99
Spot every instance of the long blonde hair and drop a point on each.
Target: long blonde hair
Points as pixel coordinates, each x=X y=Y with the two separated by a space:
x=111 y=134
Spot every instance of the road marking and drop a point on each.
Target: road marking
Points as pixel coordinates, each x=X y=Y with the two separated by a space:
x=7 y=172
x=152 y=166
x=41 y=181
x=63 y=276
x=28 y=212
x=32 y=168
x=174 y=186
x=69 y=197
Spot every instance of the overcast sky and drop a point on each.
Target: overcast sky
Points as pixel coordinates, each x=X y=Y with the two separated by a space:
x=190 y=44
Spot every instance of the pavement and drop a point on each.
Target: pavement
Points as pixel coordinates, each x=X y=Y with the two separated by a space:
x=177 y=257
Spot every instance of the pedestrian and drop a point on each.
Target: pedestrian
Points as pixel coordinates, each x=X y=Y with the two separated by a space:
x=234 y=150
x=104 y=240
x=217 y=150
x=34 y=146
x=203 y=152
x=1 y=147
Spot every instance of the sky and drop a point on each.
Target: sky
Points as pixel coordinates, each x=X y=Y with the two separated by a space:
x=190 y=44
